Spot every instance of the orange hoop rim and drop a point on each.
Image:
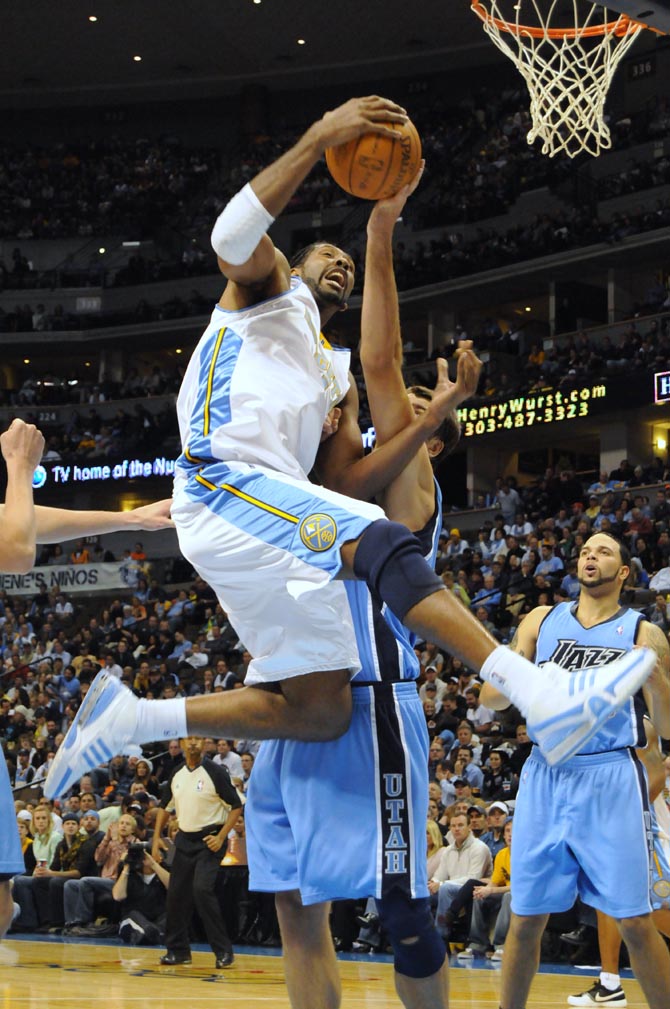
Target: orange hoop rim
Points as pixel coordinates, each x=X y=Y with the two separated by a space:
x=622 y=26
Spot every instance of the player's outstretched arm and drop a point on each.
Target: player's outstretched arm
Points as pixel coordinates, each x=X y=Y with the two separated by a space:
x=657 y=688
x=523 y=643
x=245 y=253
x=342 y=466
x=381 y=342
x=410 y=497
x=56 y=524
x=22 y=446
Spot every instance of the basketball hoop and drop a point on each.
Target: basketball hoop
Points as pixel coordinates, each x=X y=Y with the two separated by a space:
x=567 y=69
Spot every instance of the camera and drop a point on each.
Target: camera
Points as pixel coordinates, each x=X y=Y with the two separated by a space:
x=135 y=854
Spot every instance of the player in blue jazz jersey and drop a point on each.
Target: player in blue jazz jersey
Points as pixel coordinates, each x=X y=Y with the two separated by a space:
x=585 y=827
x=251 y=408
x=346 y=818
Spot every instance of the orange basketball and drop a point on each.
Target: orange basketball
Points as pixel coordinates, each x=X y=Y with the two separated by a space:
x=374 y=167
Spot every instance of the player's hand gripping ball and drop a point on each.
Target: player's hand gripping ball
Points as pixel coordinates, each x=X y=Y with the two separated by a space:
x=374 y=167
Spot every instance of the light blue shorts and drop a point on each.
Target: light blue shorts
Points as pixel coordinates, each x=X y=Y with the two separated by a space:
x=583 y=829
x=269 y=545
x=660 y=864
x=11 y=856
x=346 y=818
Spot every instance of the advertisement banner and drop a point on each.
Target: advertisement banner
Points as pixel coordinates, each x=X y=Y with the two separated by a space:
x=66 y=578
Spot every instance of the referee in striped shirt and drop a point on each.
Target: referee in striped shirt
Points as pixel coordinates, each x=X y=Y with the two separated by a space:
x=207 y=805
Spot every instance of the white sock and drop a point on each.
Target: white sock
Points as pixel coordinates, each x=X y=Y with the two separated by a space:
x=610 y=981
x=157 y=720
x=512 y=675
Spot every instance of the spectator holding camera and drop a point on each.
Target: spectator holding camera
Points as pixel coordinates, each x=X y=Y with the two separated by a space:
x=141 y=890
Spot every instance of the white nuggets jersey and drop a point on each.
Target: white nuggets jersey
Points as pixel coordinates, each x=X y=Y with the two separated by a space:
x=259 y=386
x=563 y=640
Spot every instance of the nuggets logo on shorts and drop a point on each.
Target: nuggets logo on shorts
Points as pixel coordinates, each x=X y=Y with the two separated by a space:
x=318 y=532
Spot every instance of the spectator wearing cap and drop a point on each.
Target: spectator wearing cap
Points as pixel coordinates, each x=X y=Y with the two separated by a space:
x=89 y=825
x=496 y=814
x=440 y=688
x=477 y=820
x=463 y=790
x=455 y=545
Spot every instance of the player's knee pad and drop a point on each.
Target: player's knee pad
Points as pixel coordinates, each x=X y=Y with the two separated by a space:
x=418 y=950
x=389 y=559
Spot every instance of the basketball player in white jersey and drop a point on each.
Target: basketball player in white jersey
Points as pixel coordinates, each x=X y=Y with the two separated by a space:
x=303 y=851
x=584 y=828
x=251 y=409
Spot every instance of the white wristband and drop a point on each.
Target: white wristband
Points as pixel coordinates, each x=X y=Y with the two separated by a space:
x=240 y=227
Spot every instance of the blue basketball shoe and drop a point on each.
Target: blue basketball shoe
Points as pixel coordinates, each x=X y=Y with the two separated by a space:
x=102 y=728
x=571 y=707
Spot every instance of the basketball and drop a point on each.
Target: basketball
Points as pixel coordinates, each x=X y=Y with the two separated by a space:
x=374 y=167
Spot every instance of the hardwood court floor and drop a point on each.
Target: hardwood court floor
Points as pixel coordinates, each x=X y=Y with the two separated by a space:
x=72 y=975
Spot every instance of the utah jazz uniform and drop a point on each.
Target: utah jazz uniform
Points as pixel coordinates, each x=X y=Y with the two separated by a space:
x=251 y=409
x=11 y=856
x=588 y=820
x=660 y=863
x=347 y=818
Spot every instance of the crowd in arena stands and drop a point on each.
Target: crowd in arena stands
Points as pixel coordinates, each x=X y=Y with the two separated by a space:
x=165 y=642
x=50 y=389
x=478 y=162
x=26 y=319
x=109 y=186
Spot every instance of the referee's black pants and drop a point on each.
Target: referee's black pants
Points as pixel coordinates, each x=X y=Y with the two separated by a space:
x=193 y=885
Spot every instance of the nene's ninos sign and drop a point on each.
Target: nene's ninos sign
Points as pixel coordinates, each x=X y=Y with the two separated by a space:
x=530 y=410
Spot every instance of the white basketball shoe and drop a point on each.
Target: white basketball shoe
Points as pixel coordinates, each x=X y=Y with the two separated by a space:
x=103 y=727
x=569 y=708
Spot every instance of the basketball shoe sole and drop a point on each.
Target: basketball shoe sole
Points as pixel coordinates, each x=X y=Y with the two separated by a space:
x=571 y=708
x=103 y=728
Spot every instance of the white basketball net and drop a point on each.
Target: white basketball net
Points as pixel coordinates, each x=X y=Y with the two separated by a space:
x=567 y=71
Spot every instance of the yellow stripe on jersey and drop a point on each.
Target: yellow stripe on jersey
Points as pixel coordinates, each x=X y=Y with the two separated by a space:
x=193 y=458
x=249 y=499
x=210 y=378
x=260 y=504
x=324 y=342
x=205 y=483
